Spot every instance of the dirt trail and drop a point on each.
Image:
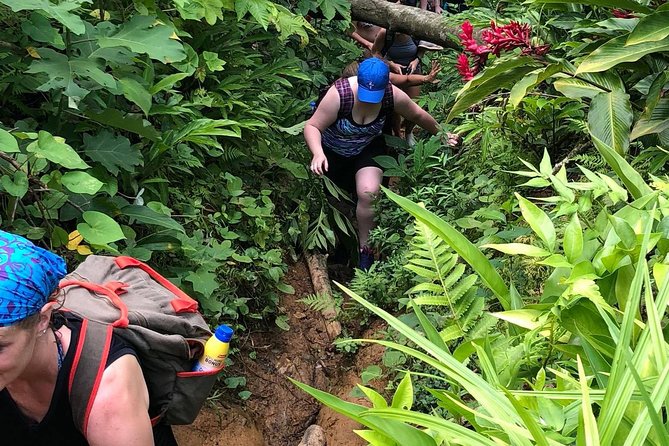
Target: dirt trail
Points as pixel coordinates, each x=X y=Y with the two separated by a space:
x=277 y=413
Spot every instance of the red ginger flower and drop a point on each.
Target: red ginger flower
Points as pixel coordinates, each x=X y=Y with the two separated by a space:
x=622 y=14
x=508 y=37
x=463 y=67
x=468 y=41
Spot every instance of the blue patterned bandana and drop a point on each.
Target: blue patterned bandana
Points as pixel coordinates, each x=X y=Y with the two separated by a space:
x=28 y=276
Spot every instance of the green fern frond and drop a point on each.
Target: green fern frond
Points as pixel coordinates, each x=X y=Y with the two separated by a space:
x=443 y=282
x=482 y=326
x=317 y=302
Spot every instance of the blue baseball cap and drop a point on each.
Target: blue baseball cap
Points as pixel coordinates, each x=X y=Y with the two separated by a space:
x=373 y=77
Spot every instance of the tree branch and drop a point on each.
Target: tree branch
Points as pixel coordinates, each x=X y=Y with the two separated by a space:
x=410 y=20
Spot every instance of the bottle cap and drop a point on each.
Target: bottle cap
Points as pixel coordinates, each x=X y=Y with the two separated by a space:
x=224 y=333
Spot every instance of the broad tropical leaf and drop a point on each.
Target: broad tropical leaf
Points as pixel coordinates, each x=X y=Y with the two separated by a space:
x=651 y=28
x=610 y=118
x=146 y=35
x=615 y=52
x=99 y=229
x=490 y=80
x=114 y=152
x=61 y=11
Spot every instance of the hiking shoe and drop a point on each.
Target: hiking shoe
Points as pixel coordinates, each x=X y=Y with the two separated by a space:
x=366 y=258
x=429 y=46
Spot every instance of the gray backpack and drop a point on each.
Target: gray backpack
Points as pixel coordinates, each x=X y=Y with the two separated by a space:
x=124 y=296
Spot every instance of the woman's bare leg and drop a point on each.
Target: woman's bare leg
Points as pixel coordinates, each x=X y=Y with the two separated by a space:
x=367 y=185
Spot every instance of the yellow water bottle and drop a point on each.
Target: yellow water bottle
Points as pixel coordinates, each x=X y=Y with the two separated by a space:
x=215 y=350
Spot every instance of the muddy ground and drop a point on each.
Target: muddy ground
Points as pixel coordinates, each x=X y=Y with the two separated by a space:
x=277 y=413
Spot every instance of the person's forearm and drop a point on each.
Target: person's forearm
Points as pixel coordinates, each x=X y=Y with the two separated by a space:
x=427 y=122
x=361 y=40
x=313 y=138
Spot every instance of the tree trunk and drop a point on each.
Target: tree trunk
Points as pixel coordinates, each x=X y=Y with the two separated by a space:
x=420 y=24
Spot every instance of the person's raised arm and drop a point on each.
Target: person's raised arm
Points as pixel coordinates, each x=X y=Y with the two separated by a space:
x=377 y=48
x=323 y=117
x=409 y=80
x=412 y=112
x=361 y=40
x=120 y=411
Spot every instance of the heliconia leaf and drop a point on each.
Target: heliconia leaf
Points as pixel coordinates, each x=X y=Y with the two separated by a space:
x=615 y=52
x=610 y=119
x=588 y=85
x=498 y=76
x=651 y=28
x=531 y=80
x=656 y=123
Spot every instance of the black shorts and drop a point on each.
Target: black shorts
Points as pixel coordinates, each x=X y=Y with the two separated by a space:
x=342 y=169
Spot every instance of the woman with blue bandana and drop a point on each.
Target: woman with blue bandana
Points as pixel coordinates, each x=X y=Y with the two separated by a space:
x=36 y=358
x=345 y=134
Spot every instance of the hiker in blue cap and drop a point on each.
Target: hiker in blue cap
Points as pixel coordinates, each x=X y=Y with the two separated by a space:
x=345 y=134
x=35 y=359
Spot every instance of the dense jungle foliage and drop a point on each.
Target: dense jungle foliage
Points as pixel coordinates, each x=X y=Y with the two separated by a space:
x=526 y=299
x=162 y=130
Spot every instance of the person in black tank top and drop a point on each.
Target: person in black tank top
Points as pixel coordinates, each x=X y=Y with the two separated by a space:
x=35 y=360
x=344 y=135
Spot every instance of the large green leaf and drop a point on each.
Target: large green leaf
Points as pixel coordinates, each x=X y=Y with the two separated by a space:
x=630 y=5
x=135 y=92
x=628 y=174
x=615 y=52
x=651 y=28
x=15 y=185
x=114 y=152
x=39 y=29
x=8 y=143
x=210 y=10
x=610 y=118
x=81 y=182
x=64 y=73
x=658 y=122
x=261 y=10
x=531 y=80
x=490 y=80
x=146 y=35
x=57 y=151
x=148 y=216
x=99 y=229
x=130 y=122
x=540 y=223
x=588 y=85
x=470 y=253
x=61 y=11
x=168 y=82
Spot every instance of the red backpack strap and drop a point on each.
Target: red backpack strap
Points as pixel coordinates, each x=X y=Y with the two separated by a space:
x=90 y=359
x=345 y=97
